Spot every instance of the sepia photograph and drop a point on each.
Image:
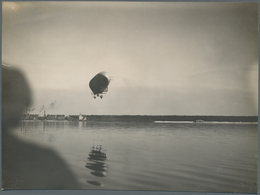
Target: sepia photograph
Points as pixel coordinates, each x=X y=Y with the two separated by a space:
x=130 y=96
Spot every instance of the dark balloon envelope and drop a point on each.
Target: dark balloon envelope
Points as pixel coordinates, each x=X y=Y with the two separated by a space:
x=99 y=84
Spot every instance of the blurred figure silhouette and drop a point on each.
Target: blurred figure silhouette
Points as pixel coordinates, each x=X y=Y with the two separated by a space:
x=26 y=165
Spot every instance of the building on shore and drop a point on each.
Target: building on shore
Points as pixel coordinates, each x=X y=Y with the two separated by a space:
x=30 y=117
x=73 y=118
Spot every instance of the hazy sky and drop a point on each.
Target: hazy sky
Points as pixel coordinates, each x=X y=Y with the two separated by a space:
x=165 y=58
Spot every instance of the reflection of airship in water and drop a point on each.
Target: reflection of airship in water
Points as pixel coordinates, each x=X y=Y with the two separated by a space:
x=97 y=165
x=99 y=83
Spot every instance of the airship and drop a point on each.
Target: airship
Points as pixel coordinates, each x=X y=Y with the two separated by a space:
x=99 y=84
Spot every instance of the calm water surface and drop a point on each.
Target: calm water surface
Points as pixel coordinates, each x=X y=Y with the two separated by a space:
x=154 y=156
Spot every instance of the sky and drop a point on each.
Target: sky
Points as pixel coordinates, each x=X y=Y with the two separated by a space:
x=165 y=58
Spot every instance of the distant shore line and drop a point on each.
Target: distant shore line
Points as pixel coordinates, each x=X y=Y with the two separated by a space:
x=145 y=118
x=208 y=122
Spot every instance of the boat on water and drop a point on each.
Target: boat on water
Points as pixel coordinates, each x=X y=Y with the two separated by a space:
x=97 y=154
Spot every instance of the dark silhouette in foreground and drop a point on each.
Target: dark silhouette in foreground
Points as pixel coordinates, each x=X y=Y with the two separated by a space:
x=26 y=165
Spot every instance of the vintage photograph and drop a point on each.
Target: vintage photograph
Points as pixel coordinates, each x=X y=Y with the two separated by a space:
x=117 y=95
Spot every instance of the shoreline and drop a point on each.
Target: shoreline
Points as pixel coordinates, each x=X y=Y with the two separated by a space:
x=145 y=118
x=209 y=122
x=158 y=122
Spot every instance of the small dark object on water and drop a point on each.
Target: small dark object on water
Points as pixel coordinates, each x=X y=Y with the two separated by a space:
x=95 y=183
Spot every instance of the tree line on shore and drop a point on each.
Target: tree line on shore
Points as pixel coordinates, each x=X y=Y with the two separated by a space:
x=142 y=118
